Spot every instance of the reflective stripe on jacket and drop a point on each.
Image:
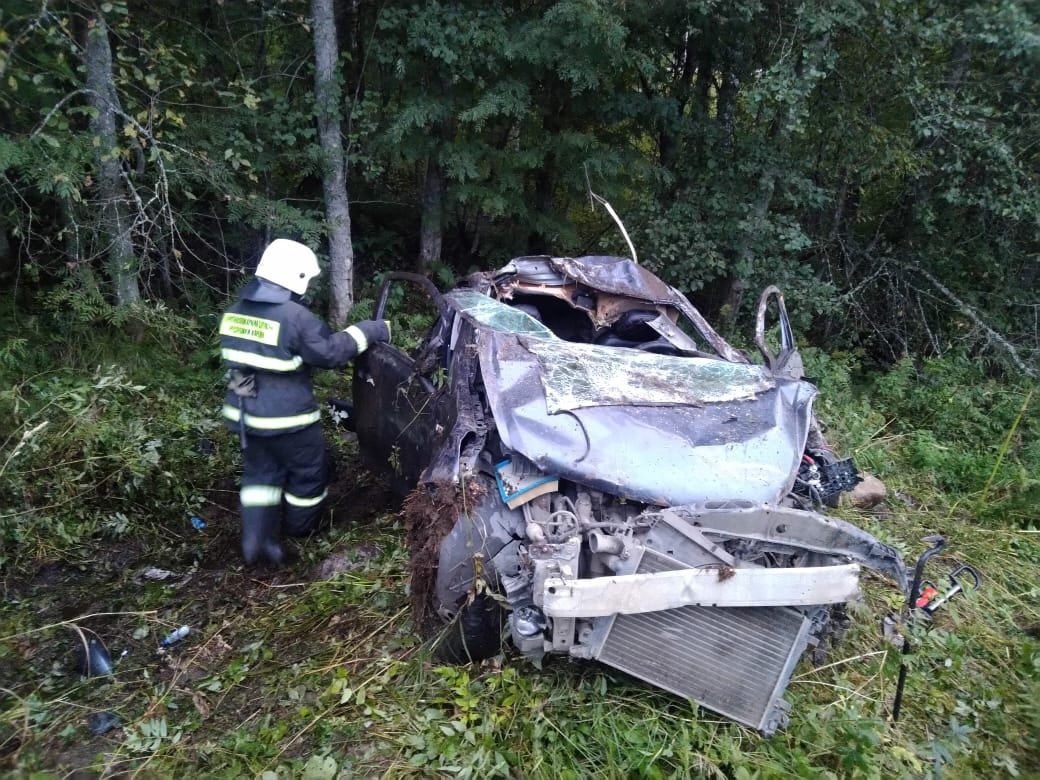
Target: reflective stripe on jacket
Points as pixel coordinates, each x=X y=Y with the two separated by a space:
x=280 y=341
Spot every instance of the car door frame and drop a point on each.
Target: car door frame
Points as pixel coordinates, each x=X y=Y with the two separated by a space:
x=397 y=405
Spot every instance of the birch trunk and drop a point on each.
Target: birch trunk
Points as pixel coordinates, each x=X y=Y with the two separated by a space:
x=328 y=99
x=118 y=248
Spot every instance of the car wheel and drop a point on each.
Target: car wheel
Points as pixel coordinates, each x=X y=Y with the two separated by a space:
x=474 y=634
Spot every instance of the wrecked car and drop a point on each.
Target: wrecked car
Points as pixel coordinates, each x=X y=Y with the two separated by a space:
x=594 y=472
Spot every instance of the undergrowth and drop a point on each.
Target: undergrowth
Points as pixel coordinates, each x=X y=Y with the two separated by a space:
x=288 y=675
x=104 y=448
x=942 y=431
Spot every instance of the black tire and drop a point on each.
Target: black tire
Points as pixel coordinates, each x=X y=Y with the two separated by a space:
x=474 y=635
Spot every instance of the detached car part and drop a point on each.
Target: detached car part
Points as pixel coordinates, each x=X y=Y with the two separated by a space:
x=630 y=486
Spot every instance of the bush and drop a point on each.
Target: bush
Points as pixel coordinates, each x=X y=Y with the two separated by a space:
x=957 y=428
x=89 y=450
x=91 y=453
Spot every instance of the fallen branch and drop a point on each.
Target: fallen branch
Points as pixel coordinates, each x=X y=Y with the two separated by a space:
x=974 y=316
x=73 y=622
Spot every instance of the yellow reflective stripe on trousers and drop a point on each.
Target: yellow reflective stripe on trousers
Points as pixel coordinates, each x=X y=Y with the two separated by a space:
x=253 y=360
x=261 y=495
x=359 y=337
x=305 y=502
x=271 y=423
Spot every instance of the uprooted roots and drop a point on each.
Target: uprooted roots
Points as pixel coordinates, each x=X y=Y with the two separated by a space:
x=430 y=512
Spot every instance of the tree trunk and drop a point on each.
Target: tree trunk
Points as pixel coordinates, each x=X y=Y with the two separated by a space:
x=115 y=221
x=328 y=97
x=777 y=139
x=727 y=112
x=537 y=242
x=432 y=231
x=744 y=253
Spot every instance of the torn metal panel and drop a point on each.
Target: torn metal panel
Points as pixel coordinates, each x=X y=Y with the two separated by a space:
x=675 y=454
x=621 y=276
x=788 y=362
x=668 y=329
x=719 y=586
x=454 y=453
x=482 y=531
x=793 y=529
x=618 y=275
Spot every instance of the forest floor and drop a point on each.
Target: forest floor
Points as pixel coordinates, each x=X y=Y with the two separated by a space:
x=314 y=670
x=340 y=591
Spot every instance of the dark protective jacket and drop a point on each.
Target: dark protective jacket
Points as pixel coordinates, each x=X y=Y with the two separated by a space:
x=278 y=341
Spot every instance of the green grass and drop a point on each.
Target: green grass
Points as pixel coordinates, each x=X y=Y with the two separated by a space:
x=287 y=675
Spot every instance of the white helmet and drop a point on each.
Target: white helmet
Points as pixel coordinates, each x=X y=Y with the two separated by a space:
x=289 y=264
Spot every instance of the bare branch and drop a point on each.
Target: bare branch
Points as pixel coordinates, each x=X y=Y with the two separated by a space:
x=7 y=56
x=57 y=107
x=976 y=318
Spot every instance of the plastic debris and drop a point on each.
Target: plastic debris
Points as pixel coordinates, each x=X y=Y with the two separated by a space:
x=172 y=579
x=156 y=575
x=175 y=636
x=92 y=657
x=197 y=523
x=341 y=413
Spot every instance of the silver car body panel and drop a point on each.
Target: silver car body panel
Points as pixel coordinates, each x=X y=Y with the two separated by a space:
x=661 y=429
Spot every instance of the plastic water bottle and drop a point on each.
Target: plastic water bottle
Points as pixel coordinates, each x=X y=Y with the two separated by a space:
x=175 y=636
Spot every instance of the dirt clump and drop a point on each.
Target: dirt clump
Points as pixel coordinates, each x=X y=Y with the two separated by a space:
x=430 y=512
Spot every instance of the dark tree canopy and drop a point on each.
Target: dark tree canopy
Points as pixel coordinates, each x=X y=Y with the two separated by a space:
x=877 y=159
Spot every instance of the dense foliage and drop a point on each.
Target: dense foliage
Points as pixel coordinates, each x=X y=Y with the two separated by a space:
x=878 y=159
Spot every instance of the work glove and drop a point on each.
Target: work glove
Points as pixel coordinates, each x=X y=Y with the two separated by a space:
x=371 y=331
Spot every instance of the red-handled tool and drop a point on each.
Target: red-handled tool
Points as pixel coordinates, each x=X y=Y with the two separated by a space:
x=929 y=601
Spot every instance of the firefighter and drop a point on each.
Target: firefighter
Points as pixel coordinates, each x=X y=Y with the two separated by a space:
x=271 y=342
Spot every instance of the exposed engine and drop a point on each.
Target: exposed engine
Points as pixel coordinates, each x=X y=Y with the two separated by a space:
x=714 y=603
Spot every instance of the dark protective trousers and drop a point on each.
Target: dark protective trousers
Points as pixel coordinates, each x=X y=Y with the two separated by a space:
x=284 y=482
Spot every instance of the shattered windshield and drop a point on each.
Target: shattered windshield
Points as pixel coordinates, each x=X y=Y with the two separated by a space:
x=579 y=375
x=584 y=375
x=497 y=316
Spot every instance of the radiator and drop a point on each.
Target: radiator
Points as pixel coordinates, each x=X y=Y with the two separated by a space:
x=735 y=661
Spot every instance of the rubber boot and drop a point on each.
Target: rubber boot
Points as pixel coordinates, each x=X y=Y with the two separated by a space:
x=273 y=550
x=260 y=536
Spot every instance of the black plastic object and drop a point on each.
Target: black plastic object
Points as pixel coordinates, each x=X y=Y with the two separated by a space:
x=102 y=722
x=474 y=634
x=822 y=478
x=837 y=477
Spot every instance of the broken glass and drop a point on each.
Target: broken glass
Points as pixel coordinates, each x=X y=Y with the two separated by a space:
x=582 y=375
